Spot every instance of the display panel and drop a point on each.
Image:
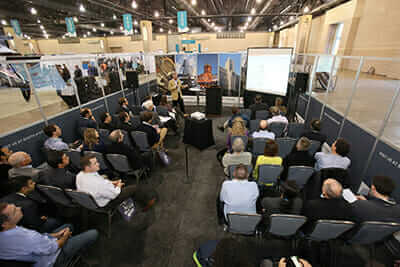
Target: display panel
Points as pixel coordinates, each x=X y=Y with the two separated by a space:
x=268 y=70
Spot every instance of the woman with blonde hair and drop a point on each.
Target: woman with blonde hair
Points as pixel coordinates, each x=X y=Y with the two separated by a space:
x=92 y=142
x=238 y=129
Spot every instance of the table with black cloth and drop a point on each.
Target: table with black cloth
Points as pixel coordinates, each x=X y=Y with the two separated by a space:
x=198 y=133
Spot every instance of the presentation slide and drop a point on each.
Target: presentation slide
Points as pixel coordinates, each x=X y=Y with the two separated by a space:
x=268 y=70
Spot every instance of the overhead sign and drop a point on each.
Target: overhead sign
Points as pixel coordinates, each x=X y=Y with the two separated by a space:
x=70 y=26
x=182 y=21
x=188 y=41
x=16 y=27
x=127 y=19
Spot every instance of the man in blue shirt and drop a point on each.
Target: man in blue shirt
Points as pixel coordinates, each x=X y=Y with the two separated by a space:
x=44 y=250
x=336 y=159
x=54 y=142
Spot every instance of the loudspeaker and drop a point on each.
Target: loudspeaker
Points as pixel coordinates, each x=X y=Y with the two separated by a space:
x=132 y=79
x=214 y=100
x=301 y=80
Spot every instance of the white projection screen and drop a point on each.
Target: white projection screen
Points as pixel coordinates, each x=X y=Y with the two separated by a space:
x=268 y=70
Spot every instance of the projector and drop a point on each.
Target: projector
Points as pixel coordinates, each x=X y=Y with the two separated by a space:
x=197 y=115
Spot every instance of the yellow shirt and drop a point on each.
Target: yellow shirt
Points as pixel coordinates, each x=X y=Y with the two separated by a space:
x=265 y=160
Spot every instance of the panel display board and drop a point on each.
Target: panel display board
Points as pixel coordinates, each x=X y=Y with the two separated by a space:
x=302 y=105
x=314 y=110
x=207 y=69
x=331 y=122
x=229 y=73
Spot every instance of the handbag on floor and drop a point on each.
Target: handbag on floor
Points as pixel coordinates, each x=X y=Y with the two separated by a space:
x=165 y=159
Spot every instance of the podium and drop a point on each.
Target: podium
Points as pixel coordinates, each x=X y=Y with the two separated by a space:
x=214 y=100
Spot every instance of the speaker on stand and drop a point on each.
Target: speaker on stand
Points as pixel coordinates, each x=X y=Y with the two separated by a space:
x=132 y=82
x=214 y=100
x=297 y=85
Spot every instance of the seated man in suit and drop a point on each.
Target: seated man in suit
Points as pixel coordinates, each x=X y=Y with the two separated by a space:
x=336 y=159
x=276 y=116
x=21 y=166
x=257 y=106
x=54 y=142
x=4 y=165
x=155 y=135
x=378 y=206
x=87 y=119
x=330 y=206
x=107 y=122
x=126 y=123
x=239 y=194
x=107 y=193
x=263 y=131
x=298 y=157
x=33 y=218
x=45 y=250
x=57 y=174
x=124 y=106
x=171 y=123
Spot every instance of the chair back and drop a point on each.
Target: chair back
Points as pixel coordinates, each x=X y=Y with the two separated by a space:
x=329 y=229
x=254 y=125
x=56 y=195
x=295 y=130
x=135 y=120
x=241 y=223
x=262 y=114
x=285 y=224
x=244 y=138
x=81 y=131
x=231 y=169
x=104 y=133
x=141 y=140
x=339 y=174
x=99 y=157
x=83 y=199
x=126 y=140
x=372 y=232
x=14 y=263
x=246 y=112
x=300 y=174
x=315 y=145
x=285 y=146
x=258 y=146
x=269 y=174
x=278 y=128
x=120 y=163
x=75 y=159
x=162 y=111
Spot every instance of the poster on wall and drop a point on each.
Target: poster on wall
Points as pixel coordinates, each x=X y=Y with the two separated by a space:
x=186 y=68
x=229 y=73
x=165 y=64
x=207 y=69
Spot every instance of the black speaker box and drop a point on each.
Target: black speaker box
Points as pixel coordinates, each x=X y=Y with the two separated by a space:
x=214 y=100
x=132 y=79
x=301 y=80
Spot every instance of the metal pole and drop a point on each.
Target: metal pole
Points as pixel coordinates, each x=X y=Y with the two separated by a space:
x=187 y=178
x=355 y=82
x=381 y=130
x=315 y=66
x=33 y=89
x=120 y=79
x=329 y=86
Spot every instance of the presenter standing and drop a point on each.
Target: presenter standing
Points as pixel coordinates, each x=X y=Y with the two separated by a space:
x=175 y=87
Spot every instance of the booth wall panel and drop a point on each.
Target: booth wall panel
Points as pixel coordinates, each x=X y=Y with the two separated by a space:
x=113 y=102
x=302 y=105
x=314 y=110
x=331 y=122
x=68 y=122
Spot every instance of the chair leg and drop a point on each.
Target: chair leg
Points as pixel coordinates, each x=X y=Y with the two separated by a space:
x=109 y=215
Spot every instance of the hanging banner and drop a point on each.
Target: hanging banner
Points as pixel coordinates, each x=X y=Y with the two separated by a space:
x=16 y=27
x=182 y=21
x=70 y=26
x=128 y=26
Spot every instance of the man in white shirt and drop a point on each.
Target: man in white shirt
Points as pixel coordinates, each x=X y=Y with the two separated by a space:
x=263 y=131
x=105 y=192
x=336 y=159
x=239 y=195
x=276 y=116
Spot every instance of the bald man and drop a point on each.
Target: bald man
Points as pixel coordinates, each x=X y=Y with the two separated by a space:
x=330 y=206
x=21 y=166
x=263 y=131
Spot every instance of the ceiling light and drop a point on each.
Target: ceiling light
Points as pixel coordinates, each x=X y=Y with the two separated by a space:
x=44 y=31
x=33 y=11
x=4 y=22
x=269 y=30
x=134 y=4
x=213 y=24
x=63 y=36
x=306 y=9
x=135 y=22
x=84 y=36
x=161 y=30
x=291 y=17
x=249 y=19
x=241 y=30
x=38 y=21
x=41 y=27
x=253 y=11
x=171 y=21
x=29 y=37
x=111 y=32
x=156 y=14
x=89 y=33
x=102 y=24
x=114 y=17
x=208 y=20
x=76 y=20
x=121 y=28
x=281 y=22
x=94 y=30
x=258 y=1
x=194 y=2
x=47 y=37
x=136 y=31
x=219 y=30
x=82 y=8
x=169 y=32
x=203 y=12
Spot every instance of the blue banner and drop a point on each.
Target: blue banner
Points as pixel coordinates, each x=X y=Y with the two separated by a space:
x=182 y=21
x=16 y=27
x=70 y=26
x=127 y=19
x=188 y=41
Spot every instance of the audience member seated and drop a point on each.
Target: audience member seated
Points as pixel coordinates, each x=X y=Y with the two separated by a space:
x=164 y=103
x=54 y=142
x=156 y=120
x=125 y=122
x=4 y=165
x=298 y=157
x=87 y=119
x=257 y=106
x=279 y=105
x=57 y=173
x=238 y=156
x=92 y=141
x=106 y=193
x=378 y=206
x=235 y=114
x=238 y=129
x=118 y=147
x=270 y=157
x=107 y=122
x=155 y=135
x=315 y=133
x=331 y=205
x=277 y=116
x=124 y=106
x=45 y=250
x=21 y=166
x=289 y=202
x=33 y=218
x=239 y=194
x=263 y=131
x=336 y=158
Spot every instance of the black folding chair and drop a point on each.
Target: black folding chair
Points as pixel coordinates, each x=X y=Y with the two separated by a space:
x=295 y=130
x=246 y=112
x=56 y=195
x=254 y=125
x=278 y=128
x=75 y=160
x=300 y=174
x=262 y=114
x=120 y=164
x=268 y=175
x=314 y=147
x=104 y=133
x=141 y=141
x=285 y=146
x=258 y=146
x=241 y=223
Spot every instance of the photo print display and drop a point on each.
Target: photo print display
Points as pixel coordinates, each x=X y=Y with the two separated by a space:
x=186 y=68
x=207 y=69
x=229 y=73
